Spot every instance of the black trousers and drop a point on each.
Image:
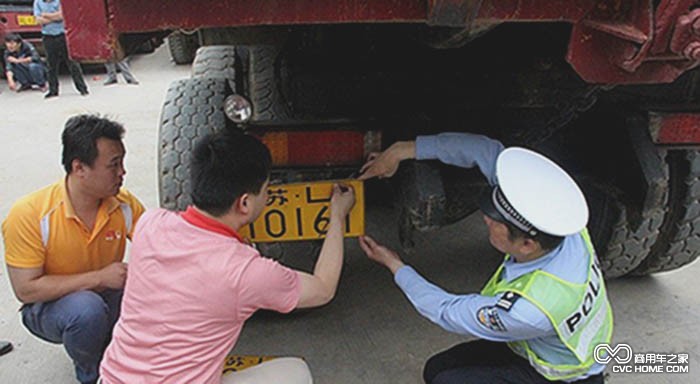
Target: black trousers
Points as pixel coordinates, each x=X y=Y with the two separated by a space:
x=57 y=53
x=487 y=362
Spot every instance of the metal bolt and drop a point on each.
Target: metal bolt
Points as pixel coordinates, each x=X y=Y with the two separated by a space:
x=692 y=51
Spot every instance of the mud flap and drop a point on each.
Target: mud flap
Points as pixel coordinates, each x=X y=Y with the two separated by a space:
x=651 y=162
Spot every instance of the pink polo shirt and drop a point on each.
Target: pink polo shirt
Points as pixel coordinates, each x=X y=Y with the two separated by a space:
x=191 y=285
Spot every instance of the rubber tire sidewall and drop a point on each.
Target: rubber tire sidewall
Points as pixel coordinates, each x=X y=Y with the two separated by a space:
x=193 y=108
x=182 y=47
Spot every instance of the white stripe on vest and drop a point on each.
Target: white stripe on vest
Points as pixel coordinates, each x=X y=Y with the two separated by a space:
x=46 y=228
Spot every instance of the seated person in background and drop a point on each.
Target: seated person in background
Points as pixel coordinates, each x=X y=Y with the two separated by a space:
x=23 y=66
x=193 y=281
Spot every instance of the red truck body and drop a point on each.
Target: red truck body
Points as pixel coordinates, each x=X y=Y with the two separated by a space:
x=613 y=41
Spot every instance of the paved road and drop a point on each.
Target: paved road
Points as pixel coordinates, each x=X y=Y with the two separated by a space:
x=369 y=333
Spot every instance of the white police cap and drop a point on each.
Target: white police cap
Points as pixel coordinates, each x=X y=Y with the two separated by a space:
x=535 y=194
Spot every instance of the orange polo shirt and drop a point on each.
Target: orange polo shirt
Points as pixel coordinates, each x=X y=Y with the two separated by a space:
x=42 y=230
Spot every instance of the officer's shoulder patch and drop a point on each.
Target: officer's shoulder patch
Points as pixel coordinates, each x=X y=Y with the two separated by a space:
x=489 y=318
x=507 y=300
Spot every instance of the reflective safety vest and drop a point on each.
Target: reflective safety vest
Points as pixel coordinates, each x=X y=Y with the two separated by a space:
x=580 y=313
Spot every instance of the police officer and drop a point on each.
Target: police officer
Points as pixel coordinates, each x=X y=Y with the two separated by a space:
x=541 y=315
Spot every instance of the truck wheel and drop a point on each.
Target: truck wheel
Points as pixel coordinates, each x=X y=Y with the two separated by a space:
x=622 y=243
x=626 y=184
x=182 y=47
x=193 y=108
x=263 y=81
x=679 y=242
x=215 y=61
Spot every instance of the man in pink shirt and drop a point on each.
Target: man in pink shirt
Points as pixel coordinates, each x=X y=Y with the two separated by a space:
x=193 y=281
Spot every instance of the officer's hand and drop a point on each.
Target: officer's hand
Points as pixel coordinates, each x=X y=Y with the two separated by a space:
x=342 y=200
x=381 y=254
x=12 y=59
x=385 y=164
x=113 y=276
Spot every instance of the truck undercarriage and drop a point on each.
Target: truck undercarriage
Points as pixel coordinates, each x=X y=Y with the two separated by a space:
x=606 y=88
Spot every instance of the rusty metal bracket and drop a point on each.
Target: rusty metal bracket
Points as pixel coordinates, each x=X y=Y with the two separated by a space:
x=631 y=42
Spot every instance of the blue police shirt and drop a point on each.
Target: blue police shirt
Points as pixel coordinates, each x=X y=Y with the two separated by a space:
x=460 y=313
x=53 y=28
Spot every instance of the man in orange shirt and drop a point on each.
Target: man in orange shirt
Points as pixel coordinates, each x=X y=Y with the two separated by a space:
x=64 y=245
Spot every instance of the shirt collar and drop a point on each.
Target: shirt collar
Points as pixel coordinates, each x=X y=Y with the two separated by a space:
x=513 y=269
x=196 y=218
x=110 y=203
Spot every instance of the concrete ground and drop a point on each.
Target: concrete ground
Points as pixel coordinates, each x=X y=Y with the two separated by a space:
x=369 y=333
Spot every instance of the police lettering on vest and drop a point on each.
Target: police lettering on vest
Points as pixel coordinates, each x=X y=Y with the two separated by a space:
x=573 y=321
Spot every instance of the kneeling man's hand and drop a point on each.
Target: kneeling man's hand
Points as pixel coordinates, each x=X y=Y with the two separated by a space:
x=381 y=254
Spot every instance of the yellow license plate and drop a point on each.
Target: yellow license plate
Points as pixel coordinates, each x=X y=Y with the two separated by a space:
x=26 y=20
x=301 y=212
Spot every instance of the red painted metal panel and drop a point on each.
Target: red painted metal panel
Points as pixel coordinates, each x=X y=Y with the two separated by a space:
x=612 y=41
x=320 y=148
x=534 y=10
x=9 y=23
x=139 y=15
x=326 y=148
x=88 y=35
x=677 y=128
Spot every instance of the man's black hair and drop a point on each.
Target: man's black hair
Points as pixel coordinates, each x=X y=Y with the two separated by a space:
x=547 y=242
x=226 y=165
x=80 y=138
x=13 y=37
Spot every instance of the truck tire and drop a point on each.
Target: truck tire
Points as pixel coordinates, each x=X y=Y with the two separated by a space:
x=626 y=184
x=215 y=61
x=623 y=233
x=193 y=108
x=621 y=243
x=679 y=243
x=182 y=47
x=263 y=83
